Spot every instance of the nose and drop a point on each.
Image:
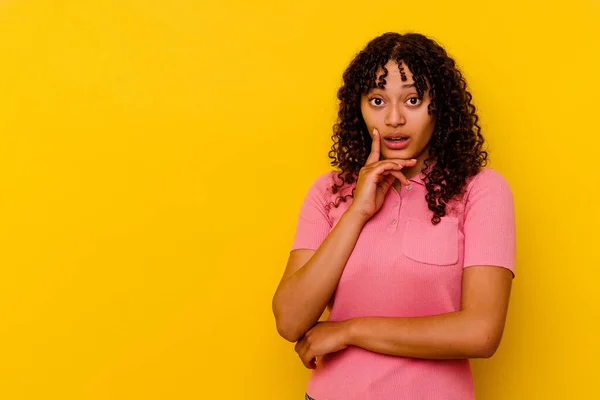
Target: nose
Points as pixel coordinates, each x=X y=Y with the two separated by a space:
x=395 y=116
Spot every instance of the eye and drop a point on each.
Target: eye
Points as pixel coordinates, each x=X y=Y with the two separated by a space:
x=413 y=101
x=376 y=101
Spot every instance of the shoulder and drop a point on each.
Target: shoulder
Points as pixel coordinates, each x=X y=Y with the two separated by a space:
x=489 y=189
x=488 y=178
x=320 y=186
x=324 y=181
x=323 y=184
x=329 y=195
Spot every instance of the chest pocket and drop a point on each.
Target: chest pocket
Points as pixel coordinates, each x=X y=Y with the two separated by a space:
x=431 y=244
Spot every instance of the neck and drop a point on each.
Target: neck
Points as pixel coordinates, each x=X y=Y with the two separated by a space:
x=411 y=172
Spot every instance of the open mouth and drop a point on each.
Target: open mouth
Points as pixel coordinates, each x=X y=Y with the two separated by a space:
x=397 y=142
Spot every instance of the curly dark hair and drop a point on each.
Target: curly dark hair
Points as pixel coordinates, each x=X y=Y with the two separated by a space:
x=455 y=148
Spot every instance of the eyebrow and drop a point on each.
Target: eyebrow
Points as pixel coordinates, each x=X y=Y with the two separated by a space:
x=405 y=86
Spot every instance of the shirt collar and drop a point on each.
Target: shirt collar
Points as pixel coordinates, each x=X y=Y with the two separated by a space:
x=420 y=177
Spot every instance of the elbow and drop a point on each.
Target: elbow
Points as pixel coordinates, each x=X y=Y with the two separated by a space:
x=485 y=344
x=288 y=331
x=286 y=326
x=484 y=351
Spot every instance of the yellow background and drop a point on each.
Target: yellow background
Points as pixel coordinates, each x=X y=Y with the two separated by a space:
x=154 y=155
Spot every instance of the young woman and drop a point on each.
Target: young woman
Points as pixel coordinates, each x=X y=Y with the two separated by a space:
x=410 y=242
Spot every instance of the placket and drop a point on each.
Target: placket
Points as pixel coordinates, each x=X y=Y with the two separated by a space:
x=394 y=214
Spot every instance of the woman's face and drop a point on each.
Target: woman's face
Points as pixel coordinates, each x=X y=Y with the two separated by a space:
x=400 y=116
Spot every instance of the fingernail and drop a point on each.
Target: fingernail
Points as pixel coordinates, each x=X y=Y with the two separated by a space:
x=375 y=131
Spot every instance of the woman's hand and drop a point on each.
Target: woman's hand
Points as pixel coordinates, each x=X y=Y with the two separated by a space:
x=375 y=179
x=323 y=338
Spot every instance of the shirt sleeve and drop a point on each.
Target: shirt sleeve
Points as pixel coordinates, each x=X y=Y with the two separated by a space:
x=489 y=226
x=314 y=223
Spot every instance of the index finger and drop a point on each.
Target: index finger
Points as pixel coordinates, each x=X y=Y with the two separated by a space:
x=375 y=148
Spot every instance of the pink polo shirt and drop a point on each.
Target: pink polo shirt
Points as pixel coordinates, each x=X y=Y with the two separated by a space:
x=404 y=266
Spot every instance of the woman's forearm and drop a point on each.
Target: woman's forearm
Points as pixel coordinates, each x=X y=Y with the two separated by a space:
x=302 y=297
x=446 y=336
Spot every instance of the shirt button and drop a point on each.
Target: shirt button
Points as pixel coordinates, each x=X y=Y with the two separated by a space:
x=409 y=187
x=396 y=204
x=393 y=222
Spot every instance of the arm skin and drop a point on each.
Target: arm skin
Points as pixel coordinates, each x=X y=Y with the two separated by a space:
x=475 y=331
